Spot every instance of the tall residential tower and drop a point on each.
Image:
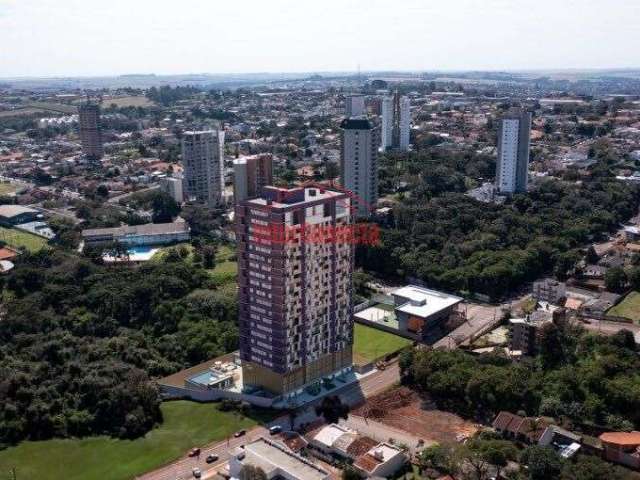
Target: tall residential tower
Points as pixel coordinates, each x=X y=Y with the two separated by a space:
x=396 y=122
x=360 y=139
x=90 y=130
x=250 y=175
x=203 y=161
x=513 y=152
x=295 y=311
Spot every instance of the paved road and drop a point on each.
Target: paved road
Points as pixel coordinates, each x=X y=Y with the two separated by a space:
x=182 y=469
x=610 y=328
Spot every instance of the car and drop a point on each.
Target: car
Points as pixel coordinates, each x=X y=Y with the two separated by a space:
x=194 y=452
x=196 y=472
x=275 y=429
x=239 y=433
x=212 y=458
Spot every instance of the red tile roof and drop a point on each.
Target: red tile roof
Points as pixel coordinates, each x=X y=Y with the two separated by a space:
x=626 y=439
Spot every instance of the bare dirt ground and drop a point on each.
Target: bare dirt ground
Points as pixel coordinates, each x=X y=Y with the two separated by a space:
x=405 y=410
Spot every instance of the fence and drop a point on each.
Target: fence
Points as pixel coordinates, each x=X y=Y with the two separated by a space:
x=173 y=392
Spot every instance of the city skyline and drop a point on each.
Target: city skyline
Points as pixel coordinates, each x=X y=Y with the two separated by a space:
x=122 y=38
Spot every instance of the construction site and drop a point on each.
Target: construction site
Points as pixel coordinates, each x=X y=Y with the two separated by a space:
x=406 y=410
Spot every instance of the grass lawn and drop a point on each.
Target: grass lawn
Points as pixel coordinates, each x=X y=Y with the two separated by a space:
x=132 y=101
x=186 y=424
x=226 y=269
x=370 y=343
x=17 y=238
x=628 y=308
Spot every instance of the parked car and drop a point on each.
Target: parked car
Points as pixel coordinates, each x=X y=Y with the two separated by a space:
x=239 y=433
x=194 y=452
x=275 y=429
x=212 y=458
x=196 y=472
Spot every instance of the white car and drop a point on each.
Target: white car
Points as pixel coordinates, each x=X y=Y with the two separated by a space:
x=196 y=473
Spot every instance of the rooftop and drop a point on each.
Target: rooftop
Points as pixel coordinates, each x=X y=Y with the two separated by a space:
x=146 y=229
x=270 y=456
x=424 y=302
x=286 y=197
x=627 y=439
x=9 y=211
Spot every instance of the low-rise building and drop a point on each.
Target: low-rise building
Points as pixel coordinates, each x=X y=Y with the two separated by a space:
x=382 y=461
x=276 y=460
x=11 y=215
x=420 y=309
x=138 y=235
x=622 y=448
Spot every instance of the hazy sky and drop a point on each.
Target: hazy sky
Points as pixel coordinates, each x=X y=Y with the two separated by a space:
x=104 y=37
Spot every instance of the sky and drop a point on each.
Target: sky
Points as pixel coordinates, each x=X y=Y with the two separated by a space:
x=112 y=37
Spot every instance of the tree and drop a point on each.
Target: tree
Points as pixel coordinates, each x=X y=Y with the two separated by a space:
x=591 y=256
x=332 y=409
x=350 y=473
x=615 y=279
x=550 y=345
x=543 y=462
x=102 y=191
x=164 y=207
x=249 y=472
x=495 y=452
x=209 y=256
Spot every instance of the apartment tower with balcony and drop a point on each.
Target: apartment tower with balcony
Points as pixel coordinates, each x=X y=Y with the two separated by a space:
x=295 y=287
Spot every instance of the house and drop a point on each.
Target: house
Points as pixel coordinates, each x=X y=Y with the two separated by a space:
x=516 y=427
x=276 y=460
x=566 y=443
x=334 y=439
x=622 y=448
x=381 y=461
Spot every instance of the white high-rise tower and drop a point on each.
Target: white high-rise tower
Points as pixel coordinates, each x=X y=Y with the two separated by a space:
x=513 y=152
x=203 y=161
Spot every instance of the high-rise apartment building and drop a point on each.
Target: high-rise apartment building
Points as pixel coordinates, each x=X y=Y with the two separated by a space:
x=360 y=139
x=295 y=303
x=203 y=161
x=513 y=152
x=396 y=122
x=251 y=174
x=172 y=186
x=90 y=130
x=354 y=105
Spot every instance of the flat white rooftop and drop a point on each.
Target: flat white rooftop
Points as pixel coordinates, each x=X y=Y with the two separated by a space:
x=423 y=302
x=272 y=457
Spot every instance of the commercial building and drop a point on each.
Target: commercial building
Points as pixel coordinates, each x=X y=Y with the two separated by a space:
x=250 y=175
x=203 y=162
x=396 y=122
x=295 y=311
x=276 y=460
x=359 y=162
x=11 y=215
x=418 y=309
x=90 y=131
x=137 y=235
x=513 y=152
x=172 y=186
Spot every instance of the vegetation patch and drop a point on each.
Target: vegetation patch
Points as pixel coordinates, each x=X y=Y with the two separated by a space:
x=19 y=239
x=185 y=425
x=628 y=308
